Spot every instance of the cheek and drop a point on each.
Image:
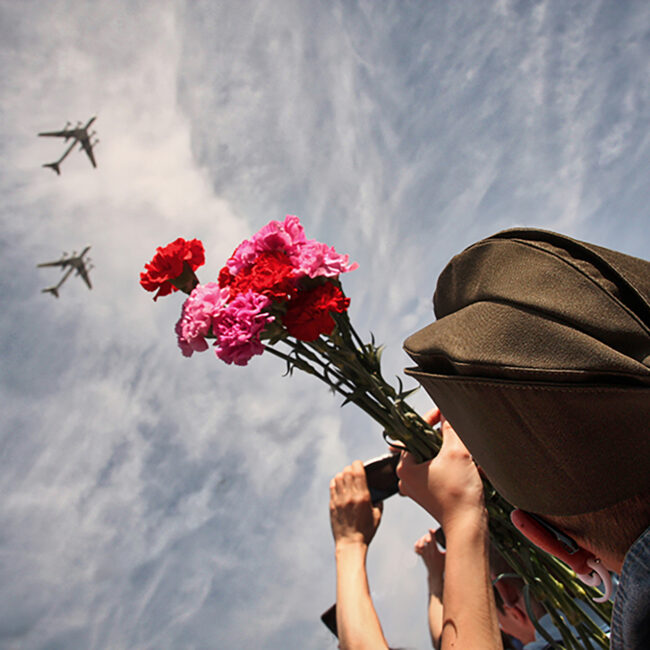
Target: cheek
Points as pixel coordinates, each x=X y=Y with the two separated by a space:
x=506 y=624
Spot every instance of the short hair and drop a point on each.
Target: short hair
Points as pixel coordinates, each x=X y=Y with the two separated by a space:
x=613 y=529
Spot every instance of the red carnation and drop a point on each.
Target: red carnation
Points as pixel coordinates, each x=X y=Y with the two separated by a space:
x=175 y=263
x=226 y=278
x=271 y=275
x=310 y=313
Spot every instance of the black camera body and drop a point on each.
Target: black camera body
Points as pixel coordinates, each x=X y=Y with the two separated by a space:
x=381 y=476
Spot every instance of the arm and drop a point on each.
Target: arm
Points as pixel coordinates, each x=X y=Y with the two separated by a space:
x=434 y=560
x=450 y=489
x=356 y=619
x=435 y=617
x=354 y=522
x=470 y=618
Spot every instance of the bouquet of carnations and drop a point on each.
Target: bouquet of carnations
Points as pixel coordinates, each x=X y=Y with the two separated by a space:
x=280 y=293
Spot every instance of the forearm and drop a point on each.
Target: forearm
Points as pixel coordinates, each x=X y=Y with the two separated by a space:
x=356 y=619
x=469 y=610
x=435 y=617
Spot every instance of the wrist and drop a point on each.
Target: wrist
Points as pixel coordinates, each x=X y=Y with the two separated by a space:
x=350 y=546
x=436 y=586
x=350 y=558
x=464 y=522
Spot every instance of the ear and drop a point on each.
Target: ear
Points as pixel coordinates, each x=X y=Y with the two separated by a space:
x=543 y=538
x=509 y=593
x=583 y=562
x=516 y=614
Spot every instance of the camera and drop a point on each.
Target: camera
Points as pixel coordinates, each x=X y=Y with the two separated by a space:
x=381 y=477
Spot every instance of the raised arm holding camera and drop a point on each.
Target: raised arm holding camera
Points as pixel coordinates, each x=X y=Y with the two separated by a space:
x=354 y=520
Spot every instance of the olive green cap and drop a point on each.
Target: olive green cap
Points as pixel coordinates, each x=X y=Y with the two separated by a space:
x=540 y=359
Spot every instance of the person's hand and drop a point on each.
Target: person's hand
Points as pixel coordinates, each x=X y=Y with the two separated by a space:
x=449 y=486
x=353 y=517
x=433 y=558
x=431 y=417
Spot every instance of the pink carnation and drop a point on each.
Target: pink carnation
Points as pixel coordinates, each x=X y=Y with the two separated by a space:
x=243 y=257
x=199 y=310
x=318 y=260
x=285 y=236
x=238 y=327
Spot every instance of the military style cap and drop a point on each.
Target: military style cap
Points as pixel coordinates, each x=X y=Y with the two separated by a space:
x=540 y=359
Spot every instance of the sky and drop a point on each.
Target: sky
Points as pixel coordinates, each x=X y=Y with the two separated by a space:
x=151 y=501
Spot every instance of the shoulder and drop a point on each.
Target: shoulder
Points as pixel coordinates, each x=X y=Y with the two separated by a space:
x=631 y=615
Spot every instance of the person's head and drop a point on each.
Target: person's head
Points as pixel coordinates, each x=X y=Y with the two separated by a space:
x=608 y=533
x=509 y=597
x=513 y=617
x=540 y=359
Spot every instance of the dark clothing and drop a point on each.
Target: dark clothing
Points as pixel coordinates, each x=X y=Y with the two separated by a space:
x=631 y=615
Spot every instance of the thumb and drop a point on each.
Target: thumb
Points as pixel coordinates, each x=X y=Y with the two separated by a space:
x=433 y=416
x=450 y=439
x=377 y=512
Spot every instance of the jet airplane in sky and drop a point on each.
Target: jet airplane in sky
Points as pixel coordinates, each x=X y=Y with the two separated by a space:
x=80 y=136
x=73 y=263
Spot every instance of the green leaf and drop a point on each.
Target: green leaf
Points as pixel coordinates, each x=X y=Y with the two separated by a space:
x=407 y=393
x=353 y=396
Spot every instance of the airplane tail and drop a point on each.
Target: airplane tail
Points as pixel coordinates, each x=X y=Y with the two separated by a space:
x=54 y=166
x=53 y=290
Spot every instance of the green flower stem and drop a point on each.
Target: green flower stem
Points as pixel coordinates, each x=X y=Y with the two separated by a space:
x=568 y=640
x=301 y=364
x=367 y=405
x=365 y=389
x=584 y=592
x=186 y=281
x=363 y=364
x=406 y=415
x=584 y=636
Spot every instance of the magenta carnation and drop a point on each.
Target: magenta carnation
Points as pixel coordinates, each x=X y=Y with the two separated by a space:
x=285 y=236
x=238 y=327
x=316 y=259
x=243 y=257
x=199 y=310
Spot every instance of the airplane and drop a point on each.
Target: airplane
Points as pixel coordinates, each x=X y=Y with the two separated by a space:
x=81 y=136
x=73 y=263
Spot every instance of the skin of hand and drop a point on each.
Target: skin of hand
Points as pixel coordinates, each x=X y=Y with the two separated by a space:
x=449 y=486
x=434 y=560
x=353 y=518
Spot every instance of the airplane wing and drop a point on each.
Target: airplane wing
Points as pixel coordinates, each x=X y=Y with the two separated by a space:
x=84 y=274
x=58 y=134
x=88 y=148
x=61 y=262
